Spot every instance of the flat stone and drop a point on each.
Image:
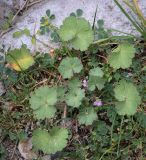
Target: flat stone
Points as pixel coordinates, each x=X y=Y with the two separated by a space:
x=107 y=10
x=14 y=3
x=8 y=2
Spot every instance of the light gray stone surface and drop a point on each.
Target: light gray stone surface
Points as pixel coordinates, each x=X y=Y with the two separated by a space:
x=107 y=10
x=14 y=3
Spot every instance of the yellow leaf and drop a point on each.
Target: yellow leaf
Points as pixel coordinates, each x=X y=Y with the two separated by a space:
x=15 y=66
x=20 y=59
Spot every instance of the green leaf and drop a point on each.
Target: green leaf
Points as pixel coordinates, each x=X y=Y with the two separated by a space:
x=42 y=102
x=47 y=30
x=77 y=31
x=58 y=139
x=79 y=12
x=50 y=142
x=102 y=128
x=102 y=34
x=141 y=118
x=55 y=37
x=69 y=66
x=40 y=140
x=26 y=32
x=96 y=79
x=68 y=30
x=42 y=30
x=74 y=84
x=100 y=23
x=74 y=97
x=95 y=82
x=17 y=34
x=52 y=17
x=97 y=72
x=20 y=59
x=121 y=57
x=48 y=12
x=128 y=98
x=43 y=20
x=87 y=115
x=33 y=40
x=61 y=93
x=73 y=14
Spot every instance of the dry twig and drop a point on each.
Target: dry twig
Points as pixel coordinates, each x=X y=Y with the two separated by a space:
x=24 y=5
x=29 y=5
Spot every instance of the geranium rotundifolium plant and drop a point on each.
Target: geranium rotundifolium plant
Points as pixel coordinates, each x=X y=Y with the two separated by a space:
x=69 y=66
x=128 y=98
x=121 y=57
x=50 y=142
x=77 y=32
x=81 y=94
x=42 y=102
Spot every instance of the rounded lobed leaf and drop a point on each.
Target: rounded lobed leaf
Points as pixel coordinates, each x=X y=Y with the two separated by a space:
x=40 y=140
x=68 y=30
x=74 y=84
x=42 y=102
x=95 y=82
x=121 y=57
x=87 y=116
x=58 y=139
x=96 y=79
x=20 y=59
x=97 y=72
x=50 y=142
x=77 y=31
x=69 y=66
x=128 y=98
x=74 y=97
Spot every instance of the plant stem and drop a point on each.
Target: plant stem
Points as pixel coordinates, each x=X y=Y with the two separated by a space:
x=127 y=15
x=112 y=127
x=120 y=136
x=93 y=26
x=108 y=150
x=106 y=40
x=116 y=30
x=140 y=14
